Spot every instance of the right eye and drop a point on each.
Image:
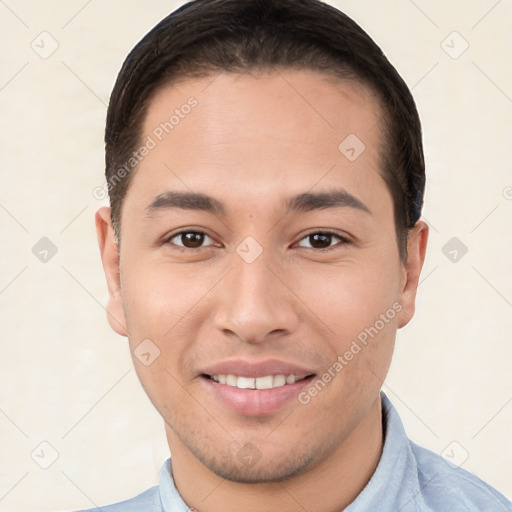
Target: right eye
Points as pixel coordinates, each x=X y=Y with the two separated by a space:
x=189 y=239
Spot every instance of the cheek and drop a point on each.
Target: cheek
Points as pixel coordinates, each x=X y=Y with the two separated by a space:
x=350 y=297
x=358 y=303
x=157 y=296
x=164 y=303
x=159 y=307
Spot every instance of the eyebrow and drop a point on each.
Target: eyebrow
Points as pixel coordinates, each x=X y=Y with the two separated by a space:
x=333 y=199
x=186 y=201
x=304 y=202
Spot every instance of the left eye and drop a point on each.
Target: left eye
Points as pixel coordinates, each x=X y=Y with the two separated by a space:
x=189 y=239
x=320 y=240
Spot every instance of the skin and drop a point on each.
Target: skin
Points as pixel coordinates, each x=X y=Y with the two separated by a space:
x=252 y=142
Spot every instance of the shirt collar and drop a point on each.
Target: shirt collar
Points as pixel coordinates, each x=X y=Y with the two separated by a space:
x=394 y=480
x=169 y=496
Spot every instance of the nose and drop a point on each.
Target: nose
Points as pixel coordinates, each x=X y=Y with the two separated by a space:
x=255 y=303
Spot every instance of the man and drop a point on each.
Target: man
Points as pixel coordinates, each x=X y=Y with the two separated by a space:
x=263 y=245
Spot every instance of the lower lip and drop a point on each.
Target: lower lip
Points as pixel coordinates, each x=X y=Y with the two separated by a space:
x=254 y=402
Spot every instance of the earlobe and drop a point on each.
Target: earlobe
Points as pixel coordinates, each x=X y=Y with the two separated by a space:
x=416 y=248
x=110 y=259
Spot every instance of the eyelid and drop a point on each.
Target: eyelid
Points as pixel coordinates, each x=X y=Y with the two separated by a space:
x=343 y=239
x=167 y=239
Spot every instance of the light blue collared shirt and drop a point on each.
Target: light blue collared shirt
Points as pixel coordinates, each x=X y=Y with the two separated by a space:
x=408 y=478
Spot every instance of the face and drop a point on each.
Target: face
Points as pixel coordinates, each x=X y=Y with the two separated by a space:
x=258 y=250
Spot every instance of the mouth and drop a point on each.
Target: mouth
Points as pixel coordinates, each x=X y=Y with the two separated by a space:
x=257 y=383
x=259 y=396
x=255 y=387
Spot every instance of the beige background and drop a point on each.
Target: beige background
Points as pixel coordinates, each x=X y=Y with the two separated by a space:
x=68 y=380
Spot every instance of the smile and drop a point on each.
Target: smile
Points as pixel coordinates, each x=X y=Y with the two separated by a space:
x=255 y=396
x=265 y=382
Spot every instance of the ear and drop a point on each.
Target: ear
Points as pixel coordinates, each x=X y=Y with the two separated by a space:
x=416 y=247
x=110 y=260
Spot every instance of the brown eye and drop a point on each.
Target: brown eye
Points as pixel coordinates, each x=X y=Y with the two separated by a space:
x=189 y=239
x=321 y=240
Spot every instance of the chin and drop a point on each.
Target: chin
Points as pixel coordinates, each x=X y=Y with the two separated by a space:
x=259 y=472
x=258 y=462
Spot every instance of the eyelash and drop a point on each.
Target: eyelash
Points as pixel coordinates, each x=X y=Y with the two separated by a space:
x=342 y=240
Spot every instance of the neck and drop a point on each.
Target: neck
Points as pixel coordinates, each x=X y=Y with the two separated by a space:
x=330 y=486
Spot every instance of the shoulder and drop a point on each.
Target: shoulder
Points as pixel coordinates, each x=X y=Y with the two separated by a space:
x=148 y=501
x=448 y=487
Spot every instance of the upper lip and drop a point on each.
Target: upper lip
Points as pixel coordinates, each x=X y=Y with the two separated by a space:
x=256 y=368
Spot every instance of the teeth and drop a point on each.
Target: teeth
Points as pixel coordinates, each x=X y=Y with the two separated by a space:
x=264 y=382
x=267 y=382
x=279 y=380
x=245 y=383
x=231 y=380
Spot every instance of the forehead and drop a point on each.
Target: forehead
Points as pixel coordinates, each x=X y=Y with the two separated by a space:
x=262 y=133
x=303 y=106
